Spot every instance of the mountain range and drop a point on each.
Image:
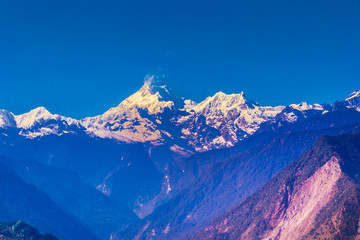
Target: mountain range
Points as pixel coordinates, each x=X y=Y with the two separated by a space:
x=159 y=166
x=156 y=115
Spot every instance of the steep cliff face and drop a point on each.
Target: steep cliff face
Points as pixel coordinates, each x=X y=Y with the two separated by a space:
x=315 y=197
x=306 y=201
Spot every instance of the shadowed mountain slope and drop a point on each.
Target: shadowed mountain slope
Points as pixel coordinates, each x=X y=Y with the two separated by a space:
x=98 y=212
x=221 y=184
x=20 y=200
x=315 y=197
x=21 y=230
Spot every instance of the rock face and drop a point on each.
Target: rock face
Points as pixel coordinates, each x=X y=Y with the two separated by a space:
x=315 y=197
x=306 y=202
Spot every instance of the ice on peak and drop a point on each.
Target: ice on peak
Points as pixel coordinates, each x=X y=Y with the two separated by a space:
x=161 y=92
x=223 y=102
x=222 y=94
x=126 y=122
x=147 y=98
x=147 y=88
x=6 y=119
x=27 y=120
x=150 y=88
x=189 y=104
x=303 y=106
x=40 y=111
x=353 y=95
x=233 y=113
x=354 y=100
x=150 y=97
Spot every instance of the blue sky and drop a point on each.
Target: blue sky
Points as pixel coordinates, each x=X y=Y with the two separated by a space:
x=79 y=58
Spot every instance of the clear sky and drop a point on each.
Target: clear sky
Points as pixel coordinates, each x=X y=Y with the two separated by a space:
x=79 y=58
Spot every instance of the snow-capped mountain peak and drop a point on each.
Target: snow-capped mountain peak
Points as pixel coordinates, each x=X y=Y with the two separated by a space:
x=354 y=100
x=27 y=120
x=153 y=99
x=40 y=122
x=223 y=102
x=149 y=98
x=355 y=94
x=7 y=119
x=155 y=114
x=189 y=104
x=305 y=106
x=232 y=115
x=127 y=122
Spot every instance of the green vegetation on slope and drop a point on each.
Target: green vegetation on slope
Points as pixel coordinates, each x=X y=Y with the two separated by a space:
x=22 y=231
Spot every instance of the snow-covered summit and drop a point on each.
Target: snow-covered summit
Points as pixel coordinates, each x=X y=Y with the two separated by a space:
x=7 y=119
x=153 y=99
x=189 y=104
x=305 y=106
x=232 y=115
x=355 y=94
x=354 y=100
x=224 y=103
x=27 y=120
x=40 y=122
x=155 y=114
x=236 y=110
x=127 y=122
x=38 y=115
